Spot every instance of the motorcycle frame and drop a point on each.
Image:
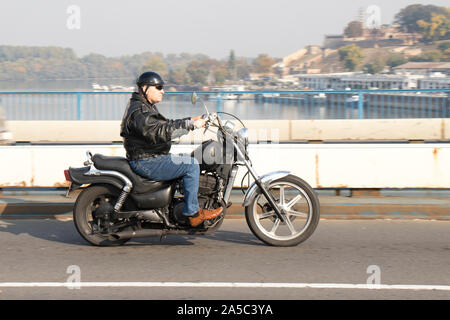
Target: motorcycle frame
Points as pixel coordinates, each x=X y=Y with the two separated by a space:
x=258 y=179
x=259 y=184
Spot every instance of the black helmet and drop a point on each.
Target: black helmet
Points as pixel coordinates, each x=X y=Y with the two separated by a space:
x=150 y=79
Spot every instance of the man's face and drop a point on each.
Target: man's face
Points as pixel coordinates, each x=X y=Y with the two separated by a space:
x=154 y=95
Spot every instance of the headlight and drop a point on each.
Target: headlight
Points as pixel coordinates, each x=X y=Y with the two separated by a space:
x=242 y=141
x=229 y=126
x=242 y=135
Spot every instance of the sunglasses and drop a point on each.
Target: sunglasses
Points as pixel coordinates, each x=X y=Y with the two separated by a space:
x=159 y=87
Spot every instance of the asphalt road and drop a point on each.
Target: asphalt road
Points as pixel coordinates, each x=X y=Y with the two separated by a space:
x=339 y=252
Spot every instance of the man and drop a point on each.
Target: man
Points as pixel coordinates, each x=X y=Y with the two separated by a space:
x=147 y=139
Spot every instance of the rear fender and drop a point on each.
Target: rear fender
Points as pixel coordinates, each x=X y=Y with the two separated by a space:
x=79 y=177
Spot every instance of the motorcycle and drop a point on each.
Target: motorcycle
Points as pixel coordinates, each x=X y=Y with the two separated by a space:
x=117 y=205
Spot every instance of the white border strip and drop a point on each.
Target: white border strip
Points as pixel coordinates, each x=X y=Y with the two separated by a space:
x=221 y=285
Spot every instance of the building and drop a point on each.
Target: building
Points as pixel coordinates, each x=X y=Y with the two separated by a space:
x=357 y=81
x=386 y=36
x=423 y=68
x=434 y=83
x=333 y=41
x=374 y=82
x=320 y=81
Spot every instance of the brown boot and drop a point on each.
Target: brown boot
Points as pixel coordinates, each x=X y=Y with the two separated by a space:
x=203 y=215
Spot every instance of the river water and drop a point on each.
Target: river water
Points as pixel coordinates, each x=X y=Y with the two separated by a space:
x=327 y=105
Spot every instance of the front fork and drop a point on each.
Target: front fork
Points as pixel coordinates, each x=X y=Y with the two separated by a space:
x=260 y=184
x=270 y=199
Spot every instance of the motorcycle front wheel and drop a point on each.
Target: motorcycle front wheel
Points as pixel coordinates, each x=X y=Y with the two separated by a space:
x=300 y=208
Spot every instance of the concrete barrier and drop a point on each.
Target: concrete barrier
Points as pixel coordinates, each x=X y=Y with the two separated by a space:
x=65 y=131
x=353 y=166
x=342 y=165
x=371 y=129
x=5 y=135
x=265 y=130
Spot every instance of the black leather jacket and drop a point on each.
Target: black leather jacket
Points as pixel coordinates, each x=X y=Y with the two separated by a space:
x=146 y=132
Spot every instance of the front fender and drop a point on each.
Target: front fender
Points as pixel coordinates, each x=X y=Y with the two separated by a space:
x=266 y=179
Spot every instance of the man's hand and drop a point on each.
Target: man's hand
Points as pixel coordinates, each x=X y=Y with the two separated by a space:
x=197 y=117
x=199 y=123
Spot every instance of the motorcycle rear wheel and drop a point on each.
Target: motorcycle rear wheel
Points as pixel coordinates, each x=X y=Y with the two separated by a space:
x=300 y=206
x=84 y=214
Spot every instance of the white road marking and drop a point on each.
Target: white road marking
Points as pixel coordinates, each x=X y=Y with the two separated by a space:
x=222 y=285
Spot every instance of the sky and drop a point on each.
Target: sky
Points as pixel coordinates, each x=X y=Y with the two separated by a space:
x=213 y=27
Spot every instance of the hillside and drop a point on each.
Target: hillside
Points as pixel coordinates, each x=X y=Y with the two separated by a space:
x=317 y=60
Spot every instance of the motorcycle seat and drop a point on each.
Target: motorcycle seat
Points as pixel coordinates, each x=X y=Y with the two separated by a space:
x=120 y=164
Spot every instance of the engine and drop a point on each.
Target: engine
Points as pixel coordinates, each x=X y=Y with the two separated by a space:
x=208 y=185
x=210 y=192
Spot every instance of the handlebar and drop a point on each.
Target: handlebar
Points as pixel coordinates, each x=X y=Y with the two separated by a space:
x=210 y=117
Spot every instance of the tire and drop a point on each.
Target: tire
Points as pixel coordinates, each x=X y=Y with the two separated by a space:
x=85 y=209
x=301 y=206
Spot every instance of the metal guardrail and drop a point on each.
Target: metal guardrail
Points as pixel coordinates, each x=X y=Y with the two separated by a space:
x=293 y=105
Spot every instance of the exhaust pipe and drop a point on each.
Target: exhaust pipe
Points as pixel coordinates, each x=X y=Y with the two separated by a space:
x=143 y=233
x=148 y=233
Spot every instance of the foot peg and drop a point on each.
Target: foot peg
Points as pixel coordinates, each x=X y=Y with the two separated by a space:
x=204 y=215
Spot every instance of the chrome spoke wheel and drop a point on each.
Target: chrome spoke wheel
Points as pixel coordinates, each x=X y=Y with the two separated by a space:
x=295 y=205
x=299 y=207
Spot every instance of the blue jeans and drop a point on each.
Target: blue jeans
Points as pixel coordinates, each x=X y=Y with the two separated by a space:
x=170 y=167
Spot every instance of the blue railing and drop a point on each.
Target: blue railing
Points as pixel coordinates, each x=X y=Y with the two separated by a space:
x=355 y=104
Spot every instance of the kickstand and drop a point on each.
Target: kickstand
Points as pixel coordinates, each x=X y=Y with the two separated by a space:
x=163 y=235
x=68 y=191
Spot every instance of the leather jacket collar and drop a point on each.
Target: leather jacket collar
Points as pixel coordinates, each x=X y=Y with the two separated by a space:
x=137 y=97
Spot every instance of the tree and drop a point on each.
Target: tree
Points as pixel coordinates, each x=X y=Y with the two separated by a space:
x=96 y=65
x=444 y=47
x=243 y=68
x=220 y=76
x=354 y=29
x=232 y=71
x=395 y=60
x=374 y=67
x=407 y=17
x=13 y=53
x=437 y=29
x=156 y=64
x=351 y=55
x=197 y=72
x=429 y=56
x=178 y=76
x=263 y=63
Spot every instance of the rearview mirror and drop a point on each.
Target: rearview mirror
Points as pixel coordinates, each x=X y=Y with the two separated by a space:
x=194 y=98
